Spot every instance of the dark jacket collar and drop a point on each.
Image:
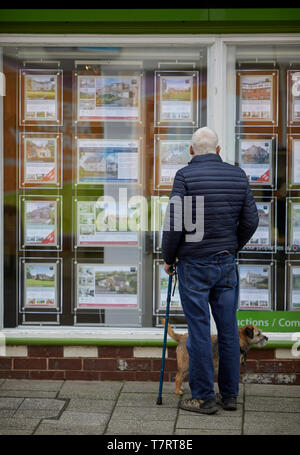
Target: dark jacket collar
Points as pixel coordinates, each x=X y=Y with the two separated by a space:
x=205 y=157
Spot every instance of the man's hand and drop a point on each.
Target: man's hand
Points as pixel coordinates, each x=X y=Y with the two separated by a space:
x=167 y=268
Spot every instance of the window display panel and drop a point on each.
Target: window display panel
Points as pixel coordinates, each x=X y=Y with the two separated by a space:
x=176 y=101
x=264 y=238
x=40 y=223
x=99 y=222
x=293 y=88
x=102 y=161
x=293 y=225
x=40 y=97
x=171 y=153
x=114 y=97
x=256 y=285
x=161 y=291
x=40 y=285
x=257 y=95
x=40 y=160
x=256 y=155
x=293 y=168
x=293 y=285
x=106 y=286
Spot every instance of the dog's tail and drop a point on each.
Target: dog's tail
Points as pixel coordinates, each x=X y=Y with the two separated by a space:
x=176 y=336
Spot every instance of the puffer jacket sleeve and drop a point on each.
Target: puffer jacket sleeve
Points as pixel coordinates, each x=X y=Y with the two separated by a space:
x=173 y=222
x=248 y=219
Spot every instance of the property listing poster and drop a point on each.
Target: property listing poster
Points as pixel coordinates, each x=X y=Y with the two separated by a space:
x=40 y=97
x=40 y=287
x=256 y=103
x=295 y=161
x=255 y=158
x=103 y=161
x=262 y=236
x=173 y=155
x=40 y=223
x=254 y=287
x=98 y=225
x=176 y=99
x=101 y=98
x=40 y=160
x=106 y=286
x=175 y=303
x=295 y=96
x=295 y=226
x=295 y=291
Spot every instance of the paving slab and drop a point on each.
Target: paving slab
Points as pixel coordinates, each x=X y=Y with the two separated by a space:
x=135 y=427
x=18 y=423
x=88 y=405
x=10 y=403
x=271 y=390
x=91 y=389
x=158 y=413
x=200 y=431
x=14 y=431
x=40 y=408
x=70 y=418
x=60 y=429
x=4 y=413
x=31 y=384
x=27 y=393
x=209 y=422
x=221 y=412
x=271 y=423
x=148 y=387
x=272 y=404
x=146 y=400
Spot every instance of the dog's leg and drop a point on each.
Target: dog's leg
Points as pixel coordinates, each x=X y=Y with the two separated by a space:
x=178 y=382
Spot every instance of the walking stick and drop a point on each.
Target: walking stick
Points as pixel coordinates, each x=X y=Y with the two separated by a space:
x=159 y=398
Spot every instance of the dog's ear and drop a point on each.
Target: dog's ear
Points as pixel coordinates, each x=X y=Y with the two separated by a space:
x=249 y=331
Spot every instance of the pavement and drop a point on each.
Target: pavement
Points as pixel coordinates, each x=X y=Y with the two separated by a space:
x=48 y=407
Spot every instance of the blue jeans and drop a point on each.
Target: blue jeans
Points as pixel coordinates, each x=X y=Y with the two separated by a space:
x=213 y=279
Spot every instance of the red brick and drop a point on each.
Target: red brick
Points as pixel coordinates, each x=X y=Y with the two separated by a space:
x=151 y=376
x=65 y=364
x=172 y=353
x=118 y=376
x=273 y=366
x=297 y=381
x=297 y=366
x=140 y=364
x=261 y=354
x=5 y=363
x=13 y=374
x=29 y=364
x=45 y=351
x=115 y=351
x=46 y=374
x=100 y=364
x=170 y=365
x=82 y=375
x=250 y=367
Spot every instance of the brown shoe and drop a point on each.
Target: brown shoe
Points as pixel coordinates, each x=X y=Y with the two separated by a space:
x=197 y=405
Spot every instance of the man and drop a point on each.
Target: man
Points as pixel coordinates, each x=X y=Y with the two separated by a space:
x=207 y=271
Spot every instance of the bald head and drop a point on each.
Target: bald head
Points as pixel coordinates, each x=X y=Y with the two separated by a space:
x=204 y=140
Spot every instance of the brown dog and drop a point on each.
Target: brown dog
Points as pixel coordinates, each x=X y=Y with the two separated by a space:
x=249 y=335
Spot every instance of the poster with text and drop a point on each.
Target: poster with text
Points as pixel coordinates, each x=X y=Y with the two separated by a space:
x=295 y=288
x=175 y=303
x=40 y=97
x=108 y=98
x=40 y=160
x=98 y=225
x=295 y=226
x=173 y=155
x=255 y=291
x=103 y=161
x=294 y=97
x=261 y=239
x=256 y=98
x=40 y=285
x=295 y=161
x=40 y=223
x=255 y=158
x=107 y=286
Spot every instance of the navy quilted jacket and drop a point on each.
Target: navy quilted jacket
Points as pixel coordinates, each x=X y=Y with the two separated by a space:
x=230 y=213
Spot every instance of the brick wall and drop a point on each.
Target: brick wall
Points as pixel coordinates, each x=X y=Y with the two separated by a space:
x=274 y=366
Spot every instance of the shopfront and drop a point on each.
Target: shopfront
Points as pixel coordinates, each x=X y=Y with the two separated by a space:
x=94 y=126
